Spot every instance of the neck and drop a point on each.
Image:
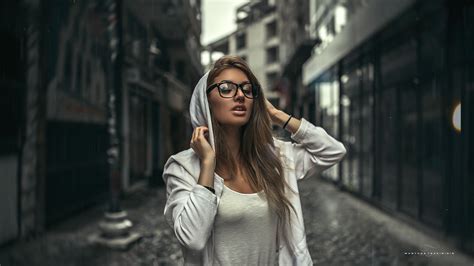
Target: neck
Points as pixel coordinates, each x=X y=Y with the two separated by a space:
x=233 y=137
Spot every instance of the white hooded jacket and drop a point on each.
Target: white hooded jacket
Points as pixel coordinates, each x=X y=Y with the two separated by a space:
x=190 y=207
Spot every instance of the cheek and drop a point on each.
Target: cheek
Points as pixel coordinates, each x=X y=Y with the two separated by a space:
x=220 y=110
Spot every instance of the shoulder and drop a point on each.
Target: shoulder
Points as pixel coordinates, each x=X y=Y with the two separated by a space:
x=186 y=154
x=183 y=158
x=184 y=161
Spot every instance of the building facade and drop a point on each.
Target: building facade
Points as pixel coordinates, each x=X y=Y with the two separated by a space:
x=257 y=41
x=65 y=63
x=275 y=39
x=389 y=80
x=297 y=44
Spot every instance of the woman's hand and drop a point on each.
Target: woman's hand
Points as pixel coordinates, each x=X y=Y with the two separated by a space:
x=273 y=112
x=201 y=146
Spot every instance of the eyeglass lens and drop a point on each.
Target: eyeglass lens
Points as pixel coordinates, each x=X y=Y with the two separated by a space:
x=229 y=89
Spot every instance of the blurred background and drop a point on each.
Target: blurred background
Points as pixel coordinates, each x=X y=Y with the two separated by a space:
x=95 y=95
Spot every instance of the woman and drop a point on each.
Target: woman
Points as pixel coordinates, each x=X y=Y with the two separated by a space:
x=232 y=198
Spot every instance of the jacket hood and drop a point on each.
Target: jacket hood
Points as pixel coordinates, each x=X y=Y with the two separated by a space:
x=200 y=115
x=199 y=111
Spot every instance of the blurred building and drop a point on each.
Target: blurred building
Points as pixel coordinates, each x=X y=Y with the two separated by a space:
x=61 y=62
x=274 y=38
x=257 y=41
x=387 y=80
x=296 y=44
x=161 y=66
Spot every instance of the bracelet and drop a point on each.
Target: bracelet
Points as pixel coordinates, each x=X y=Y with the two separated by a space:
x=287 y=121
x=211 y=189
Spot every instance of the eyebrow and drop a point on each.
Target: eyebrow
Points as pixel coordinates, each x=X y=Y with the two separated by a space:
x=247 y=81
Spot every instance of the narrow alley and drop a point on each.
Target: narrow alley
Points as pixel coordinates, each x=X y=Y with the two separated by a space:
x=341 y=230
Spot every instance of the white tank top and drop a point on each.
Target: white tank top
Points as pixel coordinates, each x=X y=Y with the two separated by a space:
x=245 y=230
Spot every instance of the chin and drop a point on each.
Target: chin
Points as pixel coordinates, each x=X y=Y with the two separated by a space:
x=236 y=121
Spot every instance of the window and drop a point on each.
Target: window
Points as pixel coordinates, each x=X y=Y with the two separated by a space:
x=340 y=18
x=331 y=26
x=241 y=40
x=366 y=130
x=271 y=29
x=138 y=35
x=398 y=124
x=271 y=79
x=327 y=90
x=432 y=151
x=387 y=144
x=351 y=125
x=406 y=78
x=272 y=54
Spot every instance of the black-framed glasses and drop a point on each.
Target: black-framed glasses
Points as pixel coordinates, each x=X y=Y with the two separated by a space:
x=228 y=89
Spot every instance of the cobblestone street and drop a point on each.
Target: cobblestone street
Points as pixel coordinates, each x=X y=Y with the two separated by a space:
x=340 y=230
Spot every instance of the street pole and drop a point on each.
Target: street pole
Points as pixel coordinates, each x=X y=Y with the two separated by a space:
x=114 y=76
x=115 y=228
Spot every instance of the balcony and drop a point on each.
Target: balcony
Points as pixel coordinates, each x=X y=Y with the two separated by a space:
x=174 y=19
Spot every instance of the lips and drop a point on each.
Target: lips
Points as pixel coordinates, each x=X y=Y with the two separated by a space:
x=239 y=110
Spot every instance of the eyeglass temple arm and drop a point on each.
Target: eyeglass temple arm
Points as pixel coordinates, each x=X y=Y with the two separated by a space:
x=210 y=88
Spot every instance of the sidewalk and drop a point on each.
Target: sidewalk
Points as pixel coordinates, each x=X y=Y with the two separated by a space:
x=344 y=230
x=67 y=244
x=341 y=230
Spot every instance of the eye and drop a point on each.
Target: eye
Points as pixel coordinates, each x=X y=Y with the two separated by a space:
x=247 y=88
x=226 y=88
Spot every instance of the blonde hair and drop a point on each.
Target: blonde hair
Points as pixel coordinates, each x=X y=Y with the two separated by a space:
x=260 y=164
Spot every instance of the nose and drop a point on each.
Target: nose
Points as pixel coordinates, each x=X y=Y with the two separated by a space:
x=239 y=93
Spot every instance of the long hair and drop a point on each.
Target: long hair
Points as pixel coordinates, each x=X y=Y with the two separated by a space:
x=259 y=163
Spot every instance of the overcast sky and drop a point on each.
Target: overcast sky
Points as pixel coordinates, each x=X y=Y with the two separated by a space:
x=218 y=18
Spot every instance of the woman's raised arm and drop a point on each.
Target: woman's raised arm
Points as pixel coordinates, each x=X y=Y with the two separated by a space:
x=314 y=147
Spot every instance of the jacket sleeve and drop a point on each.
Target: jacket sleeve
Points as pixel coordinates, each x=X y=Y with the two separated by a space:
x=314 y=149
x=190 y=208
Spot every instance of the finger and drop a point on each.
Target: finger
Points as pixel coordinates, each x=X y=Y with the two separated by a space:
x=193 y=138
x=196 y=135
x=201 y=134
x=205 y=131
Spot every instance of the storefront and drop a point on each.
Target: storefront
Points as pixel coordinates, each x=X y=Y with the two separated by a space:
x=392 y=101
